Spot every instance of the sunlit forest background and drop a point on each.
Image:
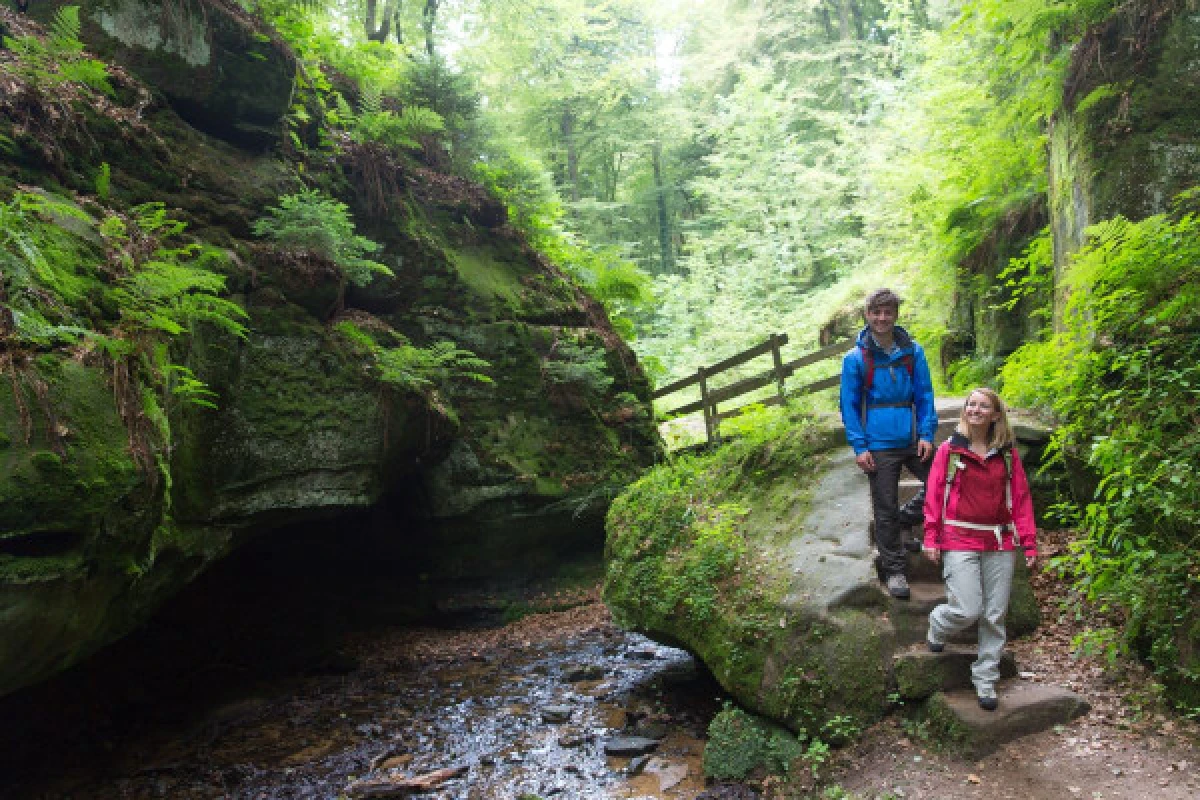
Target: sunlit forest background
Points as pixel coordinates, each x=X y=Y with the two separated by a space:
x=717 y=171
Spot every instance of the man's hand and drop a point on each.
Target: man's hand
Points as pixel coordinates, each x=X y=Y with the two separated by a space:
x=932 y=553
x=924 y=450
x=865 y=461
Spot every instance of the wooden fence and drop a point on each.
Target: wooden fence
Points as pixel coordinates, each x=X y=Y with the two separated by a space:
x=777 y=374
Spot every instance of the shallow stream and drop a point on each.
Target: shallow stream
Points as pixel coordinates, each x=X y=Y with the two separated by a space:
x=526 y=710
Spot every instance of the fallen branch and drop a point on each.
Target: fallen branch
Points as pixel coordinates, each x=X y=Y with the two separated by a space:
x=402 y=787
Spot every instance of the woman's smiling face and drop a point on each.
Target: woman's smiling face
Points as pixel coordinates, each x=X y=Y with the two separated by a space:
x=979 y=410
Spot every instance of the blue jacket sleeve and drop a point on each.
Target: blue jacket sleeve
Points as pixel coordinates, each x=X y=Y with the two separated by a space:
x=851 y=401
x=927 y=419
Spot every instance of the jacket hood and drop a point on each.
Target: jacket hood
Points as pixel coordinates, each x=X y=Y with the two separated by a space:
x=903 y=340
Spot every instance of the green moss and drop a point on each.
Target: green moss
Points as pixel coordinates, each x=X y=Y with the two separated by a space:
x=943 y=726
x=487 y=277
x=740 y=744
x=43 y=491
x=45 y=461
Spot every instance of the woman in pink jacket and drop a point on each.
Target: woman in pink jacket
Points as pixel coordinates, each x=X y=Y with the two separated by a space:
x=978 y=513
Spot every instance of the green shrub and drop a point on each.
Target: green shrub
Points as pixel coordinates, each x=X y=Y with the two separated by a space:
x=1124 y=380
x=315 y=222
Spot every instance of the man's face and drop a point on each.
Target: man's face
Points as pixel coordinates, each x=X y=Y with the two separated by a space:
x=881 y=320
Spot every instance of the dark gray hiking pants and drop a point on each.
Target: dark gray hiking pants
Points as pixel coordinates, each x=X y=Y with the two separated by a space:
x=885 y=494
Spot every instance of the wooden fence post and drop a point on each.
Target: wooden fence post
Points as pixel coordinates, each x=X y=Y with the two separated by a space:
x=775 y=354
x=708 y=420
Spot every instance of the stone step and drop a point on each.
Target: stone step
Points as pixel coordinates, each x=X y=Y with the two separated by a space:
x=910 y=618
x=956 y=719
x=920 y=673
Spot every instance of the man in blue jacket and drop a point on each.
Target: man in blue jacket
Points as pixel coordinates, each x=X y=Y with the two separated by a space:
x=887 y=408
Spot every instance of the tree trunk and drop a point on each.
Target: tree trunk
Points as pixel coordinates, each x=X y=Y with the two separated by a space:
x=391 y=13
x=567 y=128
x=666 y=256
x=428 y=18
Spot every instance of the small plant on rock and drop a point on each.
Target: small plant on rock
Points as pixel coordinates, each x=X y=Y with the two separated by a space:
x=59 y=58
x=314 y=222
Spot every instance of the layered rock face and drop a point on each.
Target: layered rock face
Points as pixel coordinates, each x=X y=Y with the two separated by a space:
x=1128 y=137
x=219 y=71
x=103 y=515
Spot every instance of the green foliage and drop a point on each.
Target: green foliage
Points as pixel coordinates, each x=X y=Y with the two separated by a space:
x=103 y=181
x=420 y=370
x=162 y=287
x=1124 y=379
x=578 y=366
x=315 y=222
x=402 y=131
x=142 y=291
x=740 y=744
x=431 y=83
x=59 y=59
x=43 y=267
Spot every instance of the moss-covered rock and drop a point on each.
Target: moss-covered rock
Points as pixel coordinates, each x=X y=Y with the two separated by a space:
x=756 y=557
x=495 y=480
x=715 y=553
x=1127 y=139
x=217 y=69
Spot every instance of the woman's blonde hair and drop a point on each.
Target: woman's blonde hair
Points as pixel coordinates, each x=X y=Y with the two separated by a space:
x=1000 y=433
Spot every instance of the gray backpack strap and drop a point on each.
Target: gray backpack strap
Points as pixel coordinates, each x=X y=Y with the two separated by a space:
x=952 y=468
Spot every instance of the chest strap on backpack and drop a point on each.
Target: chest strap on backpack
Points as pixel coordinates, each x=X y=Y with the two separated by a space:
x=868 y=359
x=952 y=468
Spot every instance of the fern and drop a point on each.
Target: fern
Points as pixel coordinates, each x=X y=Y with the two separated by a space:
x=370 y=101
x=65 y=28
x=315 y=222
x=401 y=131
x=416 y=369
x=419 y=369
x=60 y=58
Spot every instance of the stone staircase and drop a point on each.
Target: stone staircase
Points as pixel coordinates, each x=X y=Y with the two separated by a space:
x=941 y=682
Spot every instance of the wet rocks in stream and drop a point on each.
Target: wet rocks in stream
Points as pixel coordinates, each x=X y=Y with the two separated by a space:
x=454 y=715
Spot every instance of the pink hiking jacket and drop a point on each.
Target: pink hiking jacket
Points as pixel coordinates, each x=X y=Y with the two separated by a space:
x=977 y=496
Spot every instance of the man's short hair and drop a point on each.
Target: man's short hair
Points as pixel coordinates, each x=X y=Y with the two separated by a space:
x=882 y=297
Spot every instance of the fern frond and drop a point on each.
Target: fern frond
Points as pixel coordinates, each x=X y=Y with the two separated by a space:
x=64 y=32
x=370 y=100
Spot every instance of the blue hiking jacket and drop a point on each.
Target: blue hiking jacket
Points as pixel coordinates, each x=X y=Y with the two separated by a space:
x=888 y=427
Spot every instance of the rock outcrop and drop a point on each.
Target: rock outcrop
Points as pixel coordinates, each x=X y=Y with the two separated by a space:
x=1127 y=139
x=764 y=569
x=107 y=507
x=220 y=70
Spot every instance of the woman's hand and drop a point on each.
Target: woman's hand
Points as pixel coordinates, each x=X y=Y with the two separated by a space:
x=932 y=553
x=1031 y=560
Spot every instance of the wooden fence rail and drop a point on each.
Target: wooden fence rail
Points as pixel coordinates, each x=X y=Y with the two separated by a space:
x=777 y=374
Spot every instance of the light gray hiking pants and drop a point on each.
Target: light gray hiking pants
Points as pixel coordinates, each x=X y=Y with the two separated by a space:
x=977 y=588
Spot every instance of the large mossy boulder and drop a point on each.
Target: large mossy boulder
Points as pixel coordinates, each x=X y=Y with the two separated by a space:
x=218 y=68
x=757 y=558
